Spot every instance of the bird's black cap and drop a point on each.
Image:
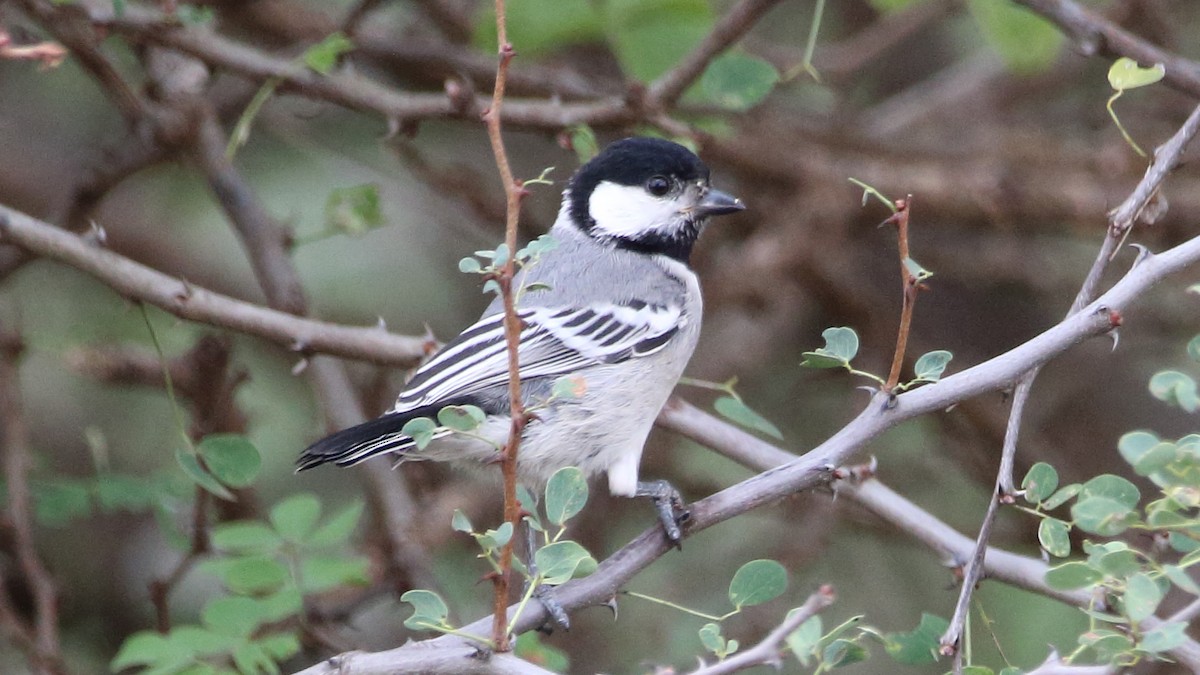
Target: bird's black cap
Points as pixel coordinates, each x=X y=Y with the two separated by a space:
x=632 y=161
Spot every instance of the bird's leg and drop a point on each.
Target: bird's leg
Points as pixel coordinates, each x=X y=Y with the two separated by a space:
x=543 y=593
x=670 y=507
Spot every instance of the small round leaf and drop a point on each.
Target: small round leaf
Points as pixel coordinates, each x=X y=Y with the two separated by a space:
x=757 y=582
x=566 y=494
x=232 y=458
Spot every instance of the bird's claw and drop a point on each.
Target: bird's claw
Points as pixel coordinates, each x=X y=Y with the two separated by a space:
x=670 y=507
x=558 y=615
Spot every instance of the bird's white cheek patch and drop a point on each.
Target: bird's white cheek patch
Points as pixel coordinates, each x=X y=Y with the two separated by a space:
x=628 y=211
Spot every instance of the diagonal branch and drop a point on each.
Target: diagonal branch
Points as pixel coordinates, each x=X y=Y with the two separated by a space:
x=766 y=652
x=195 y=303
x=815 y=467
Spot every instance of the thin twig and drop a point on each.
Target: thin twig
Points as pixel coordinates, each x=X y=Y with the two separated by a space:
x=910 y=286
x=767 y=651
x=512 y=329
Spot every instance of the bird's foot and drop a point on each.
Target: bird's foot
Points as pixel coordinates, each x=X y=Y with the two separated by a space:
x=558 y=615
x=669 y=505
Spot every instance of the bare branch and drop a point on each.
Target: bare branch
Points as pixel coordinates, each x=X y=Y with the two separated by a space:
x=766 y=652
x=194 y=303
x=46 y=655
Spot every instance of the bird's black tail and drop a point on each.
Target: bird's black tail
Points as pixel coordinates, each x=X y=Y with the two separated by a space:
x=373 y=437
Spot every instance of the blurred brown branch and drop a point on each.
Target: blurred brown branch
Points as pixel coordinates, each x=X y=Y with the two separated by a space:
x=38 y=635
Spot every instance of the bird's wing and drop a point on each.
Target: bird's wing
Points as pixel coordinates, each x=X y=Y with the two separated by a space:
x=555 y=341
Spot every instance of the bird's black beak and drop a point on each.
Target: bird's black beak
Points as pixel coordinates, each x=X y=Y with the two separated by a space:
x=717 y=203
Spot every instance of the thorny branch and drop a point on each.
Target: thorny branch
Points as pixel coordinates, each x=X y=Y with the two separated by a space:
x=767 y=651
x=910 y=286
x=512 y=329
x=1166 y=158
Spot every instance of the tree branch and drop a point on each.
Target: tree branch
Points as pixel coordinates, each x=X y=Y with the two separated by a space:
x=766 y=652
x=194 y=303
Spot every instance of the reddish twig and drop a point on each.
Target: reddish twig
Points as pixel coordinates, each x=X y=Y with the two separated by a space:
x=47 y=54
x=512 y=329
x=911 y=286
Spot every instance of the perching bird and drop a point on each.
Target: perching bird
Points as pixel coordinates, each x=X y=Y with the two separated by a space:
x=621 y=313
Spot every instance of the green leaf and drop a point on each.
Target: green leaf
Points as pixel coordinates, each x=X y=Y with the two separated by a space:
x=321 y=573
x=560 y=561
x=245 y=536
x=738 y=81
x=58 y=502
x=279 y=646
x=931 y=365
x=841 y=344
x=1181 y=579
x=1055 y=537
x=1135 y=444
x=1164 y=637
x=583 y=142
x=804 y=640
x=459 y=522
x=200 y=641
x=492 y=540
x=232 y=458
x=566 y=494
x=1101 y=515
x=1125 y=73
x=1064 y=494
x=295 y=517
x=1072 y=575
x=252 y=658
x=757 y=582
x=130 y=493
x=1120 y=563
x=323 y=56
x=1193 y=348
x=710 y=637
x=255 y=574
x=1040 y=482
x=421 y=430
x=650 y=36
x=430 y=610
x=354 y=210
x=235 y=616
x=1114 y=487
x=1156 y=459
x=921 y=645
x=1026 y=42
x=531 y=648
x=200 y=476
x=461 y=417
x=337 y=530
x=843 y=653
x=470 y=265
x=500 y=256
x=284 y=603
x=140 y=649
x=1176 y=388
x=736 y=411
x=1141 y=598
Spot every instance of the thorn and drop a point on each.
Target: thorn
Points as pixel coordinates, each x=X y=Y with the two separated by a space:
x=185 y=292
x=1142 y=254
x=611 y=603
x=97 y=235
x=1116 y=338
x=393 y=128
x=300 y=366
x=381 y=324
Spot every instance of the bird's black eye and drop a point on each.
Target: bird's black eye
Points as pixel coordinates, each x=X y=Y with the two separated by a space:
x=658 y=186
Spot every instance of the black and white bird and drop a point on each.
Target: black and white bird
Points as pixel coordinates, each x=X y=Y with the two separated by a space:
x=621 y=313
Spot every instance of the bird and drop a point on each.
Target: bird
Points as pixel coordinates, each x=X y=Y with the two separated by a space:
x=614 y=305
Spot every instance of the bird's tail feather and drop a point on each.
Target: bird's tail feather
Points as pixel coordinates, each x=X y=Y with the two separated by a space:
x=363 y=441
